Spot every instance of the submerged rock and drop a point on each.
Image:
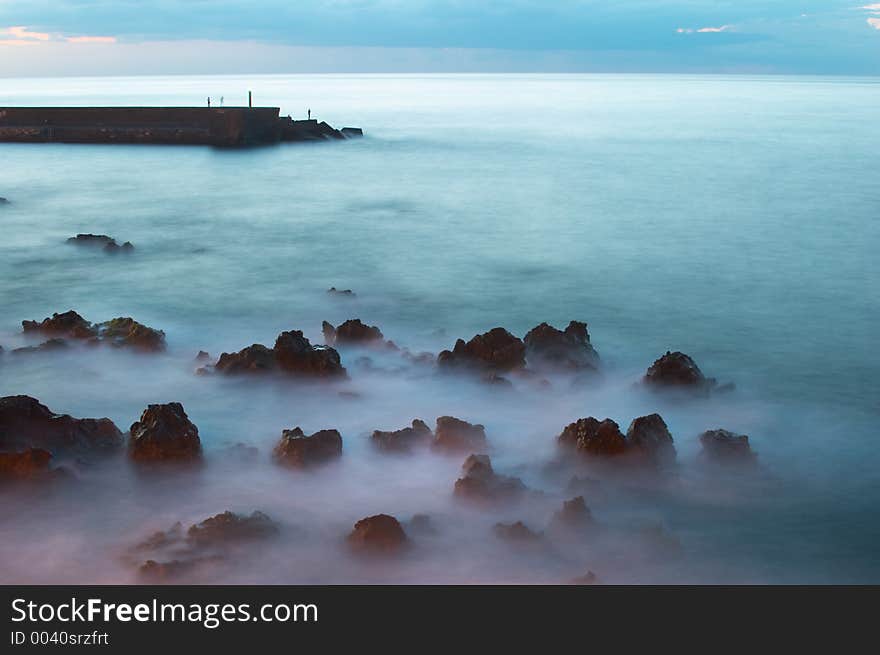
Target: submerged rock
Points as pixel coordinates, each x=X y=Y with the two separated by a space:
x=403 y=440
x=347 y=293
x=51 y=345
x=574 y=519
x=379 y=534
x=587 y=579
x=4 y=201
x=649 y=436
x=164 y=433
x=569 y=349
x=106 y=243
x=228 y=527
x=297 y=450
x=515 y=532
x=127 y=332
x=292 y=355
x=495 y=350
x=68 y=324
x=455 y=435
x=352 y=332
x=675 y=369
x=479 y=482
x=724 y=447
x=26 y=423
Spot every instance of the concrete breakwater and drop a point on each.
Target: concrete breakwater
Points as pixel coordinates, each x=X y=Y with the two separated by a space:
x=214 y=126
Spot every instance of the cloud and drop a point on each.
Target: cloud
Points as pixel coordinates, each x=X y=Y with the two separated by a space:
x=874 y=7
x=705 y=30
x=90 y=39
x=874 y=22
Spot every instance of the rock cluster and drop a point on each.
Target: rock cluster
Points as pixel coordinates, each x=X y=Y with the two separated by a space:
x=496 y=350
x=106 y=243
x=569 y=349
x=404 y=440
x=297 y=450
x=120 y=332
x=647 y=439
x=454 y=435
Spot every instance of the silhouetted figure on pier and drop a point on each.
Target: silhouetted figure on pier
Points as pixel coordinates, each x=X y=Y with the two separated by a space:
x=209 y=101
x=310 y=114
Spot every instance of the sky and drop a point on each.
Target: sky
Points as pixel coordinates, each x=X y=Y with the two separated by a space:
x=130 y=37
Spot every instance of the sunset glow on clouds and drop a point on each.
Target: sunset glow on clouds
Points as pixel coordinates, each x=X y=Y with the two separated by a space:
x=20 y=35
x=873 y=21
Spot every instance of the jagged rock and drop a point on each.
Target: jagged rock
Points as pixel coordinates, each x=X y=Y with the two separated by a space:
x=68 y=324
x=229 y=527
x=297 y=450
x=724 y=447
x=27 y=464
x=515 y=532
x=351 y=132
x=348 y=293
x=56 y=343
x=164 y=433
x=649 y=437
x=106 y=243
x=575 y=518
x=403 y=440
x=496 y=350
x=593 y=437
x=549 y=348
x=380 y=534
x=351 y=332
x=162 y=538
x=480 y=482
x=26 y=423
x=203 y=356
x=454 y=435
x=292 y=354
x=296 y=355
x=127 y=332
x=675 y=369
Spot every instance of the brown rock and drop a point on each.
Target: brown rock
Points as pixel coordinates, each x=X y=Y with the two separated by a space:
x=296 y=355
x=127 y=332
x=516 y=532
x=352 y=332
x=479 y=482
x=26 y=423
x=253 y=359
x=593 y=437
x=230 y=527
x=69 y=324
x=724 y=447
x=649 y=437
x=164 y=433
x=297 y=450
x=675 y=369
x=403 y=440
x=25 y=465
x=455 y=435
x=380 y=534
x=549 y=348
x=495 y=350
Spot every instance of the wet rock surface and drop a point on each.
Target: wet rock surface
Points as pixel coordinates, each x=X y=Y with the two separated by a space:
x=594 y=437
x=352 y=332
x=292 y=354
x=649 y=437
x=495 y=350
x=568 y=350
x=297 y=450
x=68 y=324
x=455 y=435
x=647 y=440
x=26 y=465
x=163 y=434
x=127 y=332
x=404 y=440
x=380 y=534
x=27 y=423
x=727 y=448
x=479 y=482
x=677 y=370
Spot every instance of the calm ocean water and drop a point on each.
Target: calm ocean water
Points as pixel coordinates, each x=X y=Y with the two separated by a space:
x=733 y=218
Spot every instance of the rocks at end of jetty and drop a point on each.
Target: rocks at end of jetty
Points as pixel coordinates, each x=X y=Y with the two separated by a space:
x=496 y=350
x=27 y=423
x=647 y=441
x=676 y=370
x=292 y=354
x=164 y=433
x=454 y=435
x=569 y=350
x=480 y=483
x=68 y=324
x=352 y=332
x=106 y=243
x=727 y=448
x=381 y=534
x=403 y=440
x=296 y=450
